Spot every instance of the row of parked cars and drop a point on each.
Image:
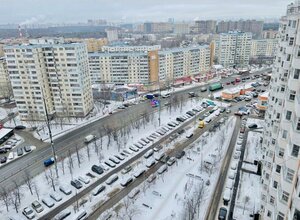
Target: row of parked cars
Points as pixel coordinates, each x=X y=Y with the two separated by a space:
x=232 y=172
x=11 y=143
x=19 y=152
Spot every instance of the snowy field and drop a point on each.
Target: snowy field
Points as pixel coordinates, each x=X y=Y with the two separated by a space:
x=3 y=113
x=73 y=166
x=168 y=197
x=253 y=149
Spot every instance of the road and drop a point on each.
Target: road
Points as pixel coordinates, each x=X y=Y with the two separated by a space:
x=214 y=202
x=33 y=162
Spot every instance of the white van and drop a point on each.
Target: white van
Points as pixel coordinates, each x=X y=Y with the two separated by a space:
x=112 y=179
x=89 y=138
x=149 y=153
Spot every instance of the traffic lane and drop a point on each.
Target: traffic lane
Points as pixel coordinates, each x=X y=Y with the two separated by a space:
x=179 y=147
x=69 y=202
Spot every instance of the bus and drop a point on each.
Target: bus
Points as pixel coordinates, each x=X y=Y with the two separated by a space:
x=215 y=86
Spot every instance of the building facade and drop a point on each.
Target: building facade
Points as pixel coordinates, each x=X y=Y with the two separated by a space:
x=112 y=34
x=158 y=27
x=233 y=49
x=253 y=26
x=148 y=66
x=5 y=86
x=263 y=48
x=181 y=28
x=117 y=49
x=53 y=71
x=93 y=44
x=280 y=196
x=204 y=27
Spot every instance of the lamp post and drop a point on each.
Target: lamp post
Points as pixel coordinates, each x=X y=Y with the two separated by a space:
x=50 y=137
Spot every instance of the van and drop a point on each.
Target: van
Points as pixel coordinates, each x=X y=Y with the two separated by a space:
x=82 y=215
x=201 y=124
x=149 y=153
x=89 y=138
x=162 y=169
x=112 y=179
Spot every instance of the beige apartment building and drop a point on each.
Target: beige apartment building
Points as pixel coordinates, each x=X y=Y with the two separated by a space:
x=53 y=71
x=263 y=48
x=280 y=197
x=93 y=44
x=5 y=86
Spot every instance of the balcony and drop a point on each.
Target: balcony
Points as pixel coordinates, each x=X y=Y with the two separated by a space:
x=293 y=84
x=297 y=105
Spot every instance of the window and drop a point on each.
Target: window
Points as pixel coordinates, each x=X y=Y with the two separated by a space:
x=282 y=89
x=281 y=152
x=269 y=214
x=288 y=57
x=284 y=134
x=295 y=150
x=275 y=184
x=297 y=71
x=298 y=125
x=288 y=115
x=290 y=175
x=272 y=199
x=285 y=196
x=280 y=216
x=291 y=42
x=292 y=95
x=278 y=168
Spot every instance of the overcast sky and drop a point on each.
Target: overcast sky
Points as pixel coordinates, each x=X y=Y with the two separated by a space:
x=57 y=11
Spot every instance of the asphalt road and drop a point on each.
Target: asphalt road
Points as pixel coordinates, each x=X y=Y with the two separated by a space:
x=33 y=162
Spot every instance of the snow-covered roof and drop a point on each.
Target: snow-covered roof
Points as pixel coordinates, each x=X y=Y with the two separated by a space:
x=4 y=131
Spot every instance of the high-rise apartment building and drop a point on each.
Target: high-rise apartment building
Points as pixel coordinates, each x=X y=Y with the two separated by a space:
x=204 y=27
x=158 y=27
x=52 y=71
x=263 y=48
x=233 y=49
x=93 y=44
x=112 y=34
x=181 y=28
x=253 y=26
x=269 y=34
x=5 y=86
x=148 y=66
x=280 y=196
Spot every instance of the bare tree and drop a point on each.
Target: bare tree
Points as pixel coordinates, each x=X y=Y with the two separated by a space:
x=108 y=131
x=5 y=197
x=63 y=164
x=246 y=200
x=17 y=189
x=78 y=155
x=88 y=153
x=28 y=181
x=130 y=209
x=70 y=163
x=51 y=178
x=14 y=197
x=36 y=191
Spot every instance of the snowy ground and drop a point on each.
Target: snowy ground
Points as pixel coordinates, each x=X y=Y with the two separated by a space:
x=253 y=150
x=248 y=197
x=3 y=113
x=260 y=123
x=81 y=167
x=168 y=195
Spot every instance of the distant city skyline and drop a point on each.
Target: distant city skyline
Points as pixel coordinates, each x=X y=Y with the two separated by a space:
x=28 y=12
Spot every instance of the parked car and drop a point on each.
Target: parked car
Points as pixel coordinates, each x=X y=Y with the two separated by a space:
x=139 y=173
x=180 y=131
x=76 y=184
x=115 y=160
x=37 y=206
x=48 y=202
x=189 y=135
x=252 y=126
x=98 y=190
x=20 y=127
x=3 y=150
x=126 y=169
x=84 y=179
x=28 y=212
x=56 y=196
x=20 y=152
x=97 y=169
x=157 y=148
x=134 y=148
x=150 y=163
x=126 y=181
x=159 y=156
x=66 y=190
x=109 y=163
x=162 y=169
x=27 y=149
x=3 y=159
x=149 y=153
x=113 y=178
x=222 y=213
x=62 y=215
x=180 y=154
x=171 y=161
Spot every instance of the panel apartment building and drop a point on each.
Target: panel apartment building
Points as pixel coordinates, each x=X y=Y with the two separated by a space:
x=263 y=48
x=233 y=49
x=147 y=65
x=53 y=71
x=281 y=144
x=5 y=86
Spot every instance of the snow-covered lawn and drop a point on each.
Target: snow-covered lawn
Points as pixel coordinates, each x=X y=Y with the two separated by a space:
x=3 y=113
x=167 y=196
x=252 y=149
x=248 y=197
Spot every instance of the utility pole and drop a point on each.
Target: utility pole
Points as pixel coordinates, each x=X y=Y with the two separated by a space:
x=50 y=137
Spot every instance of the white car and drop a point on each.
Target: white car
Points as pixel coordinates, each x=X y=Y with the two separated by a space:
x=84 y=179
x=28 y=212
x=48 y=202
x=189 y=135
x=66 y=190
x=55 y=196
x=150 y=163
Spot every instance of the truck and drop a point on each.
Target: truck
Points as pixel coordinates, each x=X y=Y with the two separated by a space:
x=215 y=86
x=49 y=161
x=89 y=138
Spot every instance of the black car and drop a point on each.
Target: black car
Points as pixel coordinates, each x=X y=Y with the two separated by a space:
x=216 y=125
x=27 y=149
x=3 y=150
x=255 y=95
x=190 y=113
x=222 y=110
x=211 y=111
x=20 y=127
x=3 y=159
x=222 y=213
x=180 y=131
x=180 y=154
x=180 y=119
x=76 y=184
x=211 y=129
x=97 y=169
x=252 y=126
x=20 y=151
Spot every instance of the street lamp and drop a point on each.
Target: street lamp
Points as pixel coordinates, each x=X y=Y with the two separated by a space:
x=50 y=136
